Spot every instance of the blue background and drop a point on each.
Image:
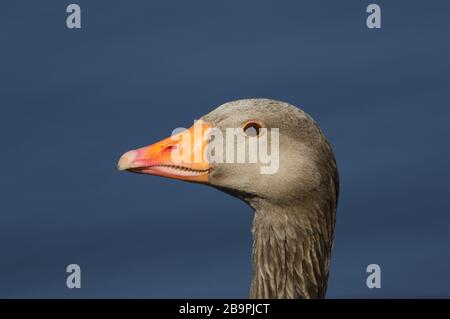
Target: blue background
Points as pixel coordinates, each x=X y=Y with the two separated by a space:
x=72 y=101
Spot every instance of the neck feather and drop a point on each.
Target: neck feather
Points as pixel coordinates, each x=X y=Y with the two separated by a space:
x=291 y=251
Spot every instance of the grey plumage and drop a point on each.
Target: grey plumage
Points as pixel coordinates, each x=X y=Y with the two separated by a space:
x=294 y=209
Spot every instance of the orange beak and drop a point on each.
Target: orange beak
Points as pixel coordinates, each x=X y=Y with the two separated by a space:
x=181 y=156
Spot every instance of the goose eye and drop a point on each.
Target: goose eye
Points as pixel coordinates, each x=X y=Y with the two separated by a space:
x=252 y=129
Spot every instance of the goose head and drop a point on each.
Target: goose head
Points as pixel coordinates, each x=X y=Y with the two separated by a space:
x=297 y=166
x=292 y=185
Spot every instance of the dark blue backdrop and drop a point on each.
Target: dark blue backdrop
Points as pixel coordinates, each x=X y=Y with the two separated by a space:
x=72 y=101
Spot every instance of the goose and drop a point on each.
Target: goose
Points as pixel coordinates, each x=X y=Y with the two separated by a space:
x=294 y=208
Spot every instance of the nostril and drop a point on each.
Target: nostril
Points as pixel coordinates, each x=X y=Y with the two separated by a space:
x=169 y=149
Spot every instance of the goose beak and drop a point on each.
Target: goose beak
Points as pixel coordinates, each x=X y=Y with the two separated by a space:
x=180 y=156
